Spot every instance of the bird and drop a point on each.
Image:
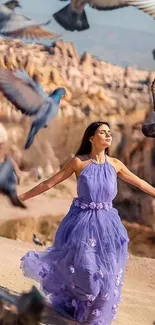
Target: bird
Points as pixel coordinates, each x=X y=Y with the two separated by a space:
x=36 y=173
x=28 y=307
x=36 y=240
x=73 y=16
x=19 y=26
x=148 y=127
x=8 y=181
x=48 y=48
x=153 y=53
x=29 y=97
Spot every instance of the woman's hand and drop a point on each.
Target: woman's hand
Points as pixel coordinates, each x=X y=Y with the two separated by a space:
x=22 y=197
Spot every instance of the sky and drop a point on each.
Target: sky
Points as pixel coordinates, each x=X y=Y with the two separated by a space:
x=137 y=24
x=126 y=17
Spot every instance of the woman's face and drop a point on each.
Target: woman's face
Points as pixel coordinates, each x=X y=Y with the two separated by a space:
x=102 y=137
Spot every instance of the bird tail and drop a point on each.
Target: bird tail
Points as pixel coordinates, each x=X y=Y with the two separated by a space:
x=70 y=20
x=15 y=201
x=30 y=137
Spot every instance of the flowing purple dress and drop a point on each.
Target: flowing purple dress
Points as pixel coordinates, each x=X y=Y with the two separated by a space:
x=83 y=271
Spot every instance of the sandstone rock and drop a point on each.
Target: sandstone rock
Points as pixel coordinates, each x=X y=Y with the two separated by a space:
x=95 y=90
x=3 y=134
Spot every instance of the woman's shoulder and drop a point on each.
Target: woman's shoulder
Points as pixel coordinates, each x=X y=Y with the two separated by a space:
x=81 y=158
x=76 y=161
x=117 y=164
x=112 y=159
x=76 y=164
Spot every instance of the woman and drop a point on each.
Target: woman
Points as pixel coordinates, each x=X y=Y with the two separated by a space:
x=84 y=269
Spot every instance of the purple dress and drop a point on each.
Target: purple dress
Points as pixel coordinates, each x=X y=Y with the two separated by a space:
x=83 y=271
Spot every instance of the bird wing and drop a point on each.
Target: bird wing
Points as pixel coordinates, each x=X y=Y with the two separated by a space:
x=23 y=75
x=148 y=127
x=5 y=168
x=8 y=182
x=15 y=200
x=4 y=12
x=107 y=4
x=153 y=93
x=148 y=6
x=20 y=94
x=8 y=297
x=7 y=174
x=21 y=26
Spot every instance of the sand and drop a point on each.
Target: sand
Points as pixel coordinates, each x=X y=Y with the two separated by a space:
x=138 y=304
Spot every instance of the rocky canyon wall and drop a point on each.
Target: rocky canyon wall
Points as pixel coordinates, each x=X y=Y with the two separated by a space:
x=96 y=90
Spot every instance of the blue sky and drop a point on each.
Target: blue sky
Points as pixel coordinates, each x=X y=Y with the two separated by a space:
x=140 y=28
x=126 y=17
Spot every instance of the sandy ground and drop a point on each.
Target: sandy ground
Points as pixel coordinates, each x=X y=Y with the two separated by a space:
x=138 y=304
x=36 y=207
x=137 y=307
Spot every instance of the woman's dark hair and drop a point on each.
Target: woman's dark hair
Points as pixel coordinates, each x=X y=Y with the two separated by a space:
x=85 y=146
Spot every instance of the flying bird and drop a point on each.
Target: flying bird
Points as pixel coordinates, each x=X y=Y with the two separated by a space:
x=36 y=173
x=153 y=53
x=28 y=307
x=19 y=26
x=148 y=127
x=36 y=240
x=29 y=97
x=8 y=181
x=73 y=16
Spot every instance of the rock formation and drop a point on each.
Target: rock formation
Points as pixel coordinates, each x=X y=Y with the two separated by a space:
x=96 y=90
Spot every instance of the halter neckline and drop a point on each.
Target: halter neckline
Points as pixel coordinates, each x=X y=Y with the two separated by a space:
x=105 y=163
x=95 y=162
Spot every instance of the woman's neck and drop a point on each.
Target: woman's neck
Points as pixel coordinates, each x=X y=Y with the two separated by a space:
x=98 y=155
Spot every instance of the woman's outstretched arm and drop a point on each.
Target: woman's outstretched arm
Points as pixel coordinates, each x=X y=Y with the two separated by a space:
x=127 y=176
x=64 y=173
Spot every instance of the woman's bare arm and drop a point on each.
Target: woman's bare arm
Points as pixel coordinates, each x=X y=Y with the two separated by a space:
x=126 y=175
x=69 y=168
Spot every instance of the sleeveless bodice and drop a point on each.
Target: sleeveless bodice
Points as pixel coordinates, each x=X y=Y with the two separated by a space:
x=97 y=182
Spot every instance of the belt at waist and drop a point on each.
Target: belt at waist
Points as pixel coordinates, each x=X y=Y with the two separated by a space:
x=92 y=205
